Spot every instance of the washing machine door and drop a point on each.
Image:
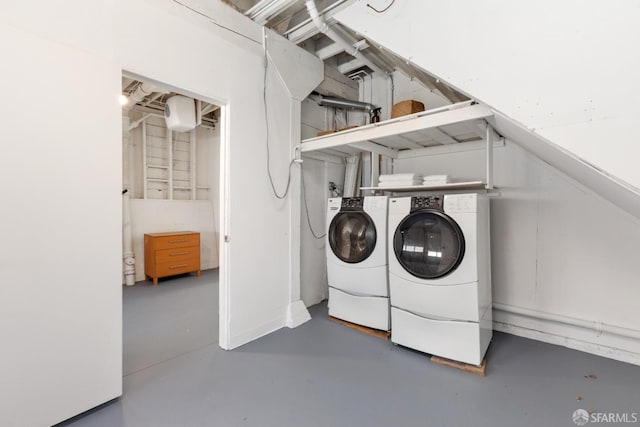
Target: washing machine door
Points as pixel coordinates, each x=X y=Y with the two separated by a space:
x=352 y=236
x=428 y=244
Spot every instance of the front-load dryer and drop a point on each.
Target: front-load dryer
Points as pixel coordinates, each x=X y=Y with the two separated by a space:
x=357 y=260
x=440 y=275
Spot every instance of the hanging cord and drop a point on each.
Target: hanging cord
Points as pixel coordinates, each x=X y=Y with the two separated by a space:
x=266 y=121
x=383 y=10
x=306 y=207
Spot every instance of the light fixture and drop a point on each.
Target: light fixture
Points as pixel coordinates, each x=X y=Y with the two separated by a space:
x=123 y=100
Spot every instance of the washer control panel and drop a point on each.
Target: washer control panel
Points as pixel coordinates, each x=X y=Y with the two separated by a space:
x=352 y=203
x=427 y=202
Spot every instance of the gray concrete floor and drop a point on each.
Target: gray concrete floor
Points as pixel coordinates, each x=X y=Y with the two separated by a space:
x=324 y=374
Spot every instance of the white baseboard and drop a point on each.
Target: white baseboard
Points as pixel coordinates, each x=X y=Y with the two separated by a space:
x=589 y=341
x=243 y=338
x=297 y=314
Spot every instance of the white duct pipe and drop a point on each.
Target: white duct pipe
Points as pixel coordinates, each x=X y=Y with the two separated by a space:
x=142 y=91
x=329 y=32
x=128 y=256
x=596 y=326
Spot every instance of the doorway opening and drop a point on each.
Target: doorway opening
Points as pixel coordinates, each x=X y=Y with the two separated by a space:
x=171 y=174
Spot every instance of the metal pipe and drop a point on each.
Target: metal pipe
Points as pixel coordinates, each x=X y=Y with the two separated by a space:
x=596 y=326
x=330 y=101
x=333 y=35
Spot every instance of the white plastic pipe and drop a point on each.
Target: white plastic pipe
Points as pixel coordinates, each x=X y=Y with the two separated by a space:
x=329 y=32
x=170 y=161
x=193 y=158
x=596 y=326
x=128 y=257
x=142 y=91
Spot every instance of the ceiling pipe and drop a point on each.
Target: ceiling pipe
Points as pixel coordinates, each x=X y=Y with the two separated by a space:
x=141 y=92
x=330 y=101
x=333 y=35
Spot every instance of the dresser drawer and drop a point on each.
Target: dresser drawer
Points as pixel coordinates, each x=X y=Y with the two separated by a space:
x=178 y=241
x=177 y=254
x=177 y=267
x=171 y=253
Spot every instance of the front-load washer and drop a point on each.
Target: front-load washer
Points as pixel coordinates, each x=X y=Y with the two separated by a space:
x=440 y=275
x=357 y=260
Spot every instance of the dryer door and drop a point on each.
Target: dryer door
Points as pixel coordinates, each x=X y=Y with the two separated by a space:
x=428 y=244
x=352 y=236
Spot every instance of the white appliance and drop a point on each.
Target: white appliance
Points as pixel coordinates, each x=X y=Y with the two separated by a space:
x=357 y=260
x=440 y=275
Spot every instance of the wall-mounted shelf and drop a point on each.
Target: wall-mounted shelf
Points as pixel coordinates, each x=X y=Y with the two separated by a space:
x=409 y=136
x=399 y=137
x=470 y=185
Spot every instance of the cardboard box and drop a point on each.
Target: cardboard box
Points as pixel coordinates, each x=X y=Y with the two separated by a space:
x=405 y=108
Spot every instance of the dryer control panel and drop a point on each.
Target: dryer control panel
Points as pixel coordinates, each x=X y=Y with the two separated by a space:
x=427 y=202
x=352 y=204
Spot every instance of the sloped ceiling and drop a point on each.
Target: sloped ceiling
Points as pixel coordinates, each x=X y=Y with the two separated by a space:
x=292 y=21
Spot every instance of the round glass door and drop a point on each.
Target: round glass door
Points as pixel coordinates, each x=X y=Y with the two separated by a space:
x=352 y=236
x=428 y=244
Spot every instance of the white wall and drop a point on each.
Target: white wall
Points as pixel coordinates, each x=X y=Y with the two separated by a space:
x=61 y=297
x=557 y=248
x=564 y=70
x=153 y=215
x=63 y=240
x=318 y=172
x=374 y=90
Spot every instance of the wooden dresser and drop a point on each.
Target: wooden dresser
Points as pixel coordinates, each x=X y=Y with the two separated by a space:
x=167 y=254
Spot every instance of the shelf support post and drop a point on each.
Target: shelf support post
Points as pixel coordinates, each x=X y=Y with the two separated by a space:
x=375 y=170
x=489 y=138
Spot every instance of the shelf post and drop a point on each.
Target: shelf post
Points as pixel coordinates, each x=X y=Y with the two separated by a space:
x=489 y=138
x=375 y=170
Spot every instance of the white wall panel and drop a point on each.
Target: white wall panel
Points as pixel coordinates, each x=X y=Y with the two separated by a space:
x=61 y=297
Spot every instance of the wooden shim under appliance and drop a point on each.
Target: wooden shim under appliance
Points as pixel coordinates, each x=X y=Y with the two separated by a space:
x=369 y=331
x=477 y=370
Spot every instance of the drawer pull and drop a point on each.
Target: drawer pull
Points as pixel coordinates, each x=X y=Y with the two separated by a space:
x=179 y=253
x=178 y=241
x=178 y=266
